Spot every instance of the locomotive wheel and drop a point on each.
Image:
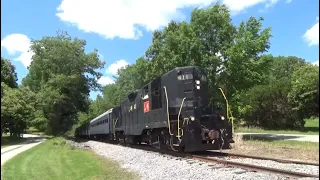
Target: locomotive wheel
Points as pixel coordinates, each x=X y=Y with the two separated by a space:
x=161 y=144
x=122 y=138
x=131 y=140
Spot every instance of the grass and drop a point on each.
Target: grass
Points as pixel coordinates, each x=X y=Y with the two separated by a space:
x=312 y=123
x=54 y=159
x=311 y=128
x=6 y=140
x=286 y=149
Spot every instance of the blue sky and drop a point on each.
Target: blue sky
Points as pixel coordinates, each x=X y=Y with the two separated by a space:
x=122 y=30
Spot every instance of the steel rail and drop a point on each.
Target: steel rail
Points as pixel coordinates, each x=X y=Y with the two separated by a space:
x=236 y=155
x=253 y=167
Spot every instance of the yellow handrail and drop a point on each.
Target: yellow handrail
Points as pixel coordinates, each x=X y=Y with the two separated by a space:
x=178 y=136
x=168 y=118
x=228 y=109
x=114 y=125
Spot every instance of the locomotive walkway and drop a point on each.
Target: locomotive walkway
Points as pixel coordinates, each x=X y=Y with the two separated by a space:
x=11 y=151
x=294 y=137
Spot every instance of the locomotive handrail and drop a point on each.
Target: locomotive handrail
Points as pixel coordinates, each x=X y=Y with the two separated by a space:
x=225 y=98
x=168 y=118
x=114 y=125
x=178 y=136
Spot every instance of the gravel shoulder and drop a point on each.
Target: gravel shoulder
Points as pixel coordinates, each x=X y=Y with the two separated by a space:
x=11 y=151
x=152 y=166
x=282 y=149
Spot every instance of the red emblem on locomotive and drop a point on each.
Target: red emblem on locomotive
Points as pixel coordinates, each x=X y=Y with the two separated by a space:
x=146 y=106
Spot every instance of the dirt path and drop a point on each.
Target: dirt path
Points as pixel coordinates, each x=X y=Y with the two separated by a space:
x=10 y=151
x=296 y=137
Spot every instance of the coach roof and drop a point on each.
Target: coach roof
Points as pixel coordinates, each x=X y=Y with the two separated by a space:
x=101 y=115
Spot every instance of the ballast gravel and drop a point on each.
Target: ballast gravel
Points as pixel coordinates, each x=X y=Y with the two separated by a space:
x=308 y=169
x=155 y=166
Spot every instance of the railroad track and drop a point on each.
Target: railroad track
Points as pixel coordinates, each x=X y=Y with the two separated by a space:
x=235 y=155
x=248 y=167
x=210 y=157
x=254 y=168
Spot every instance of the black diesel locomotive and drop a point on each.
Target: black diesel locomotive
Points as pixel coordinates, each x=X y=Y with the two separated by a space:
x=171 y=111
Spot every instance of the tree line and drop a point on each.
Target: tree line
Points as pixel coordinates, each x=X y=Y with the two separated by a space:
x=262 y=90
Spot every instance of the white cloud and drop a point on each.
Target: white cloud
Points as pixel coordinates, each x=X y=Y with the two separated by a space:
x=113 y=68
x=105 y=80
x=316 y=63
x=237 y=6
x=311 y=36
x=18 y=45
x=270 y=3
x=126 y=18
x=119 y=18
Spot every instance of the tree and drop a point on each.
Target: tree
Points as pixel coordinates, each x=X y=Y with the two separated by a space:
x=305 y=90
x=243 y=66
x=283 y=67
x=228 y=54
x=62 y=74
x=16 y=109
x=268 y=106
x=8 y=74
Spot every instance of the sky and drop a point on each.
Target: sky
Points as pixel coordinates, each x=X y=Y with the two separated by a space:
x=121 y=30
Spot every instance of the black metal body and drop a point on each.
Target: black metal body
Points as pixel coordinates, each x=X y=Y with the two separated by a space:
x=172 y=109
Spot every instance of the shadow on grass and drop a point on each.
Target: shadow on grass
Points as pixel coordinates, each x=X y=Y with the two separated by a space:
x=8 y=141
x=254 y=129
x=265 y=137
x=310 y=129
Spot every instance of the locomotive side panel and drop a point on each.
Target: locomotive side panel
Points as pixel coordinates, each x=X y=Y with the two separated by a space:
x=144 y=109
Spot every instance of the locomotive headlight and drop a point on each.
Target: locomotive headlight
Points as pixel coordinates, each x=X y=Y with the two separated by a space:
x=198 y=87
x=222 y=118
x=192 y=118
x=197 y=82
